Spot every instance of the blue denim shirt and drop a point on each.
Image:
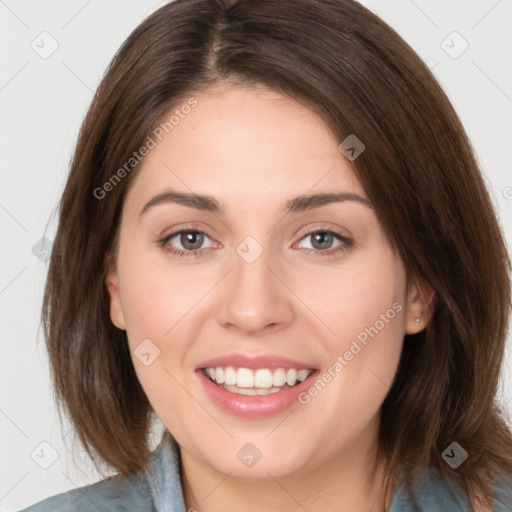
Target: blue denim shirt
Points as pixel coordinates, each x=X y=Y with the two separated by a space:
x=159 y=490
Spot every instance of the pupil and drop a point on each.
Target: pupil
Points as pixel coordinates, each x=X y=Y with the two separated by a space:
x=324 y=240
x=191 y=240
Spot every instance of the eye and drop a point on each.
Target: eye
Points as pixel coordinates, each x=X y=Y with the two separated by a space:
x=326 y=241
x=191 y=242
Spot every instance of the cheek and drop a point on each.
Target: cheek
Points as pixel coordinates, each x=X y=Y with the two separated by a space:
x=158 y=305
x=163 y=303
x=365 y=295
x=363 y=308
x=157 y=296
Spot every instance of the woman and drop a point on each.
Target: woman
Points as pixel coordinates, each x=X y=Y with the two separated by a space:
x=276 y=239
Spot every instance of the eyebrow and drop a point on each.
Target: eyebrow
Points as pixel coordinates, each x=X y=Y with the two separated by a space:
x=295 y=205
x=305 y=203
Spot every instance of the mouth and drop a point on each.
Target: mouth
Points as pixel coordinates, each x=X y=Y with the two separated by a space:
x=254 y=387
x=255 y=382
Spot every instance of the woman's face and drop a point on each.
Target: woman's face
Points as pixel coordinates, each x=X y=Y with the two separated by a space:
x=268 y=287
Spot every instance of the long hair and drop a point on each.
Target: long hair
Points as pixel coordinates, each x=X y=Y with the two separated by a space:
x=418 y=170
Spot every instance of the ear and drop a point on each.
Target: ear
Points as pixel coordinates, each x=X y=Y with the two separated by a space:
x=420 y=305
x=112 y=283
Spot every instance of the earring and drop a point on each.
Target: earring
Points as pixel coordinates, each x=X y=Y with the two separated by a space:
x=417 y=321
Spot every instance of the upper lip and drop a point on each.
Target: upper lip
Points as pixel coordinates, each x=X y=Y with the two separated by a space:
x=254 y=362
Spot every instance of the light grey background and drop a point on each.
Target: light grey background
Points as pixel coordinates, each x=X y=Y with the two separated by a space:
x=43 y=99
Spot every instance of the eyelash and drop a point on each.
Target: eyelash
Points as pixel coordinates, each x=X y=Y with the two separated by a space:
x=346 y=242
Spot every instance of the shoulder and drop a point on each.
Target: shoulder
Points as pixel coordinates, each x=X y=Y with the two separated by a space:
x=117 y=493
x=430 y=493
x=433 y=493
x=153 y=489
x=503 y=494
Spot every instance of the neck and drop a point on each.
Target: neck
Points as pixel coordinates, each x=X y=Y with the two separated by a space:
x=346 y=482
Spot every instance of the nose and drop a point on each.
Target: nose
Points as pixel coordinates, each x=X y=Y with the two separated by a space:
x=255 y=297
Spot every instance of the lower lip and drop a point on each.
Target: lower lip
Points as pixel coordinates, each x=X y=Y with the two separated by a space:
x=250 y=406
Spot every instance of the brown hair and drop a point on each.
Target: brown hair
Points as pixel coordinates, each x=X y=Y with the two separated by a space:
x=418 y=170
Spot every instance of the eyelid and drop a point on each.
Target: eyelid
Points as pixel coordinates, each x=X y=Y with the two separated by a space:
x=163 y=240
x=187 y=227
x=323 y=227
x=174 y=234
x=345 y=241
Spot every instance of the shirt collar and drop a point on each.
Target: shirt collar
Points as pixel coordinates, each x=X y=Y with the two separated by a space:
x=164 y=478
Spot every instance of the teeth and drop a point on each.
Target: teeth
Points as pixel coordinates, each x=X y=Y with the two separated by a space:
x=250 y=391
x=279 y=377
x=219 y=375
x=256 y=382
x=229 y=377
x=302 y=375
x=244 y=378
x=291 y=377
x=263 y=379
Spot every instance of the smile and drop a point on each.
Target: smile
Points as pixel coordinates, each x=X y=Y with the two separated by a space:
x=262 y=381
x=254 y=387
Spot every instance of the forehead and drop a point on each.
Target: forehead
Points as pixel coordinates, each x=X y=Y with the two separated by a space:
x=245 y=143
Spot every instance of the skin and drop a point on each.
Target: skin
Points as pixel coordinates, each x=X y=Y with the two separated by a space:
x=253 y=149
